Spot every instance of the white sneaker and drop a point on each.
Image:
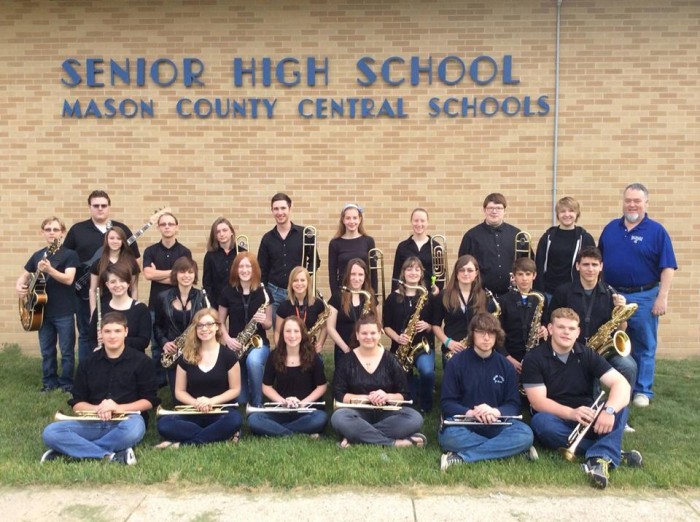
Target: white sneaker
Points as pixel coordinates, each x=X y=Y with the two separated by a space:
x=640 y=400
x=629 y=429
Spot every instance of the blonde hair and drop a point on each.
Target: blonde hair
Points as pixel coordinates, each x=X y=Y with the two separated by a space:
x=190 y=352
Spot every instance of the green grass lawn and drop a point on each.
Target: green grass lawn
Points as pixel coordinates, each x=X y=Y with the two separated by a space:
x=667 y=436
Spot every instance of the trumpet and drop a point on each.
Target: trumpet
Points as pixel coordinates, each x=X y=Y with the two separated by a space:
x=188 y=409
x=242 y=244
x=523 y=245
x=376 y=266
x=470 y=420
x=92 y=416
x=281 y=407
x=308 y=254
x=438 y=251
x=579 y=432
x=364 y=404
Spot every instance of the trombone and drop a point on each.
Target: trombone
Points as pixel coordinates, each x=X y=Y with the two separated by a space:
x=364 y=404
x=281 y=407
x=376 y=266
x=242 y=244
x=579 y=432
x=91 y=416
x=438 y=252
x=188 y=409
x=308 y=254
x=523 y=245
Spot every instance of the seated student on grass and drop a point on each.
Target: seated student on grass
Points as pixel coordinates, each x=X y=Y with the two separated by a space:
x=293 y=379
x=481 y=384
x=370 y=386
x=113 y=380
x=558 y=378
x=208 y=374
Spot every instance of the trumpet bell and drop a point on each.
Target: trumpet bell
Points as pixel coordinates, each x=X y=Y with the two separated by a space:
x=567 y=454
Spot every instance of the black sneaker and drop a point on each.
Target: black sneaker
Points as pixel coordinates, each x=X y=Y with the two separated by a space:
x=632 y=458
x=126 y=457
x=597 y=470
x=49 y=455
x=449 y=459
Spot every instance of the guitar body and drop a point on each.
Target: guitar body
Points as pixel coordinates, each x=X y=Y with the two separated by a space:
x=31 y=307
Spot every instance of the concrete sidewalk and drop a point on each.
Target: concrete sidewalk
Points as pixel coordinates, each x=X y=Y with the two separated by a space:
x=185 y=503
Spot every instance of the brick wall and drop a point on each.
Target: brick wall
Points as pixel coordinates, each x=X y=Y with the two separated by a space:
x=628 y=111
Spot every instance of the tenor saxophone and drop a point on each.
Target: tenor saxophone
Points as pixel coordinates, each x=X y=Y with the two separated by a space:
x=247 y=337
x=406 y=353
x=168 y=359
x=533 y=336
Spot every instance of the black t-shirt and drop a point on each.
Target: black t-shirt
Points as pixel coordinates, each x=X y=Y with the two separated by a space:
x=60 y=300
x=213 y=382
x=138 y=320
x=308 y=314
x=570 y=383
x=295 y=382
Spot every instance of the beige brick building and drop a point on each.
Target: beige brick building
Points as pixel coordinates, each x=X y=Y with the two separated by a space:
x=628 y=110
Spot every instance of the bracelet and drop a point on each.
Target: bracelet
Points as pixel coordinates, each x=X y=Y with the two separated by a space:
x=447 y=342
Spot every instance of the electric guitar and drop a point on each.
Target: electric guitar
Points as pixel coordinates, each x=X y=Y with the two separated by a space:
x=31 y=306
x=82 y=283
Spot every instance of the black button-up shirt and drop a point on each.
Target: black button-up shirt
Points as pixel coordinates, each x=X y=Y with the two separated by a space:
x=494 y=250
x=163 y=258
x=277 y=256
x=593 y=311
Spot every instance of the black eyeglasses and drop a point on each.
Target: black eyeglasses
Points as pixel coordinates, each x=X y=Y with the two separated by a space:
x=205 y=326
x=99 y=205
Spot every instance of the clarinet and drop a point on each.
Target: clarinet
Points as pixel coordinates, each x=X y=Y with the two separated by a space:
x=98 y=298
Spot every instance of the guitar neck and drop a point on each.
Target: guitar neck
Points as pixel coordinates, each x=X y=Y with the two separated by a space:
x=138 y=233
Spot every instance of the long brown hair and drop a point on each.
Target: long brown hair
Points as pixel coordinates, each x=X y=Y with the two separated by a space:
x=307 y=353
x=477 y=297
x=125 y=253
x=191 y=350
x=411 y=261
x=234 y=279
x=212 y=243
x=346 y=297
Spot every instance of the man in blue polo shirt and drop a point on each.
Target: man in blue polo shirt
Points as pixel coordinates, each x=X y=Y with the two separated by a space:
x=639 y=262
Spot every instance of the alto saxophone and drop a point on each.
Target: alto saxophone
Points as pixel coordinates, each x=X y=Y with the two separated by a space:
x=367 y=305
x=322 y=318
x=607 y=340
x=168 y=359
x=533 y=335
x=406 y=353
x=496 y=313
x=247 y=337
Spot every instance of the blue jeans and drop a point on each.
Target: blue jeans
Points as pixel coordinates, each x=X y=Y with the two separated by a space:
x=376 y=426
x=422 y=386
x=286 y=424
x=252 y=370
x=94 y=439
x=553 y=432
x=277 y=296
x=625 y=365
x=475 y=443
x=62 y=330
x=82 y=318
x=642 y=329
x=200 y=429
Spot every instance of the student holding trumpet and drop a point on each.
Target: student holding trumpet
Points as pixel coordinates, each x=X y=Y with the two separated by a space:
x=114 y=380
x=480 y=384
x=369 y=387
x=294 y=380
x=208 y=375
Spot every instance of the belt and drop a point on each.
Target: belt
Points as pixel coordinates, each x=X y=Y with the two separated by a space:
x=637 y=289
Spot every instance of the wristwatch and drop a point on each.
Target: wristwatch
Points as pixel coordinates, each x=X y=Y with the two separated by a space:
x=610 y=410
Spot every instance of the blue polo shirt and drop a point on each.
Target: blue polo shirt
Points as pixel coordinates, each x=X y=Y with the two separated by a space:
x=635 y=257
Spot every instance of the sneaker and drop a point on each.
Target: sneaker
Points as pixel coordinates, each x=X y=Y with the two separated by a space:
x=47 y=389
x=597 y=470
x=632 y=458
x=640 y=400
x=531 y=454
x=449 y=459
x=126 y=457
x=629 y=429
x=49 y=455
